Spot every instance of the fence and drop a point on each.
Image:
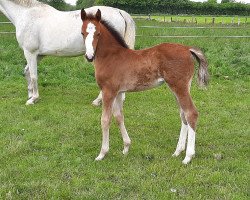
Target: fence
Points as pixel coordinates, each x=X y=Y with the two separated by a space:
x=172 y=27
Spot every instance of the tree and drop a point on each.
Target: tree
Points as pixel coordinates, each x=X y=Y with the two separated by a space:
x=210 y=7
x=227 y=1
x=85 y=3
x=212 y=1
x=58 y=4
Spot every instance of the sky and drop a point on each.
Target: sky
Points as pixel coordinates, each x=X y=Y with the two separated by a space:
x=73 y=2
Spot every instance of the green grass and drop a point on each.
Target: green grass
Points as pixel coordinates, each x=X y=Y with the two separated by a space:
x=47 y=151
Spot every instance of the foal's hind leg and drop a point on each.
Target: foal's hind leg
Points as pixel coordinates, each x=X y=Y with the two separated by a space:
x=191 y=116
x=183 y=135
x=118 y=114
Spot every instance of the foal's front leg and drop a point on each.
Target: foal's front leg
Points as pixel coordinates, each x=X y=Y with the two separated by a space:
x=108 y=100
x=118 y=114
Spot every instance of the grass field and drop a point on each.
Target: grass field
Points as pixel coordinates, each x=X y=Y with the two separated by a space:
x=190 y=19
x=47 y=151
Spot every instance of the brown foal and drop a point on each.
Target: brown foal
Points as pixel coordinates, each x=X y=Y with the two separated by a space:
x=119 y=69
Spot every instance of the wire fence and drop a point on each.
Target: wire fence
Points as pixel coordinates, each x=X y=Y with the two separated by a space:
x=172 y=27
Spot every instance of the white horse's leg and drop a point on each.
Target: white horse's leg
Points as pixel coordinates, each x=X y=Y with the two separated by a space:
x=118 y=114
x=27 y=76
x=181 y=145
x=32 y=66
x=98 y=100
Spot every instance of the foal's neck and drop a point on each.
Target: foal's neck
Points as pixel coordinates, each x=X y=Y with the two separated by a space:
x=107 y=44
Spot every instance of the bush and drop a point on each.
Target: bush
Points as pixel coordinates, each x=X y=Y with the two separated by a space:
x=178 y=7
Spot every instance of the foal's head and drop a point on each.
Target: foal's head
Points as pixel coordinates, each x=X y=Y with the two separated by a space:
x=91 y=32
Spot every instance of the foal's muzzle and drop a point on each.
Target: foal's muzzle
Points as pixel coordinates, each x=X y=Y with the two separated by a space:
x=89 y=59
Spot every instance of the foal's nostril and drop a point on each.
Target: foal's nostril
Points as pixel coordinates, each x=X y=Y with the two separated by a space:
x=89 y=59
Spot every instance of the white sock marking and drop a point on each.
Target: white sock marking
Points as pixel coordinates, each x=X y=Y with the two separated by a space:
x=182 y=140
x=190 y=146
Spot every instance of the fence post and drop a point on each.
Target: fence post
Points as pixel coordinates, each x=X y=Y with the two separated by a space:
x=164 y=18
x=195 y=20
x=171 y=19
x=213 y=20
x=149 y=16
x=238 y=21
x=232 y=22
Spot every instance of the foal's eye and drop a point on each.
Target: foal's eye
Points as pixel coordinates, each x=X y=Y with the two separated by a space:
x=98 y=34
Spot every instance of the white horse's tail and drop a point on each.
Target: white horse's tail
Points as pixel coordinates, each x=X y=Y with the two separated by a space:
x=129 y=35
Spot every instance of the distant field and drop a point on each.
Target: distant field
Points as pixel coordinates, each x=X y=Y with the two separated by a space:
x=47 y=150
x=191 y=19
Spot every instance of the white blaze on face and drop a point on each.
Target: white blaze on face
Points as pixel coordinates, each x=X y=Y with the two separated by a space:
x=89 y=40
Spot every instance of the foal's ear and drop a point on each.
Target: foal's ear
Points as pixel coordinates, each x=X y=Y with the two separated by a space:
x=83 y=14
x=98 y=15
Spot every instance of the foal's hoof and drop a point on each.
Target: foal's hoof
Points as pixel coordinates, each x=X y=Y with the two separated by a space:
x=177 y=153
x=97 y=103
x=125 y=150
x=187 y=159
x=101 y=156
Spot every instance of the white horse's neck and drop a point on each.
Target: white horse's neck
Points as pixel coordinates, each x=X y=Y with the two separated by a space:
x=13 y=9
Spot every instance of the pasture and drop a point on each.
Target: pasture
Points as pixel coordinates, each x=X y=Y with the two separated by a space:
x=47 y=151
x=198 y=19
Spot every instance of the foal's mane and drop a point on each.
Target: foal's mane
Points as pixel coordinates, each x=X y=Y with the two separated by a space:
x=112 y=30
x=28 y=3
x=115 y=33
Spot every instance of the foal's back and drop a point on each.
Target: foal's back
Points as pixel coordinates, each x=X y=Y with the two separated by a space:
x=148 y=67
x=136 y=70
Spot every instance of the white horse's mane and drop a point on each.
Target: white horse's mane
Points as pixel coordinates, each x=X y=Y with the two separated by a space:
x=27 y=3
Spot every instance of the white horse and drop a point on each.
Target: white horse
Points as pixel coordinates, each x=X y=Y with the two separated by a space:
x=42 y=30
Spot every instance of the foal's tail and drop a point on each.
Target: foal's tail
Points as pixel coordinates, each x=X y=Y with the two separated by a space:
x=203 y=76
x=129 y=35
